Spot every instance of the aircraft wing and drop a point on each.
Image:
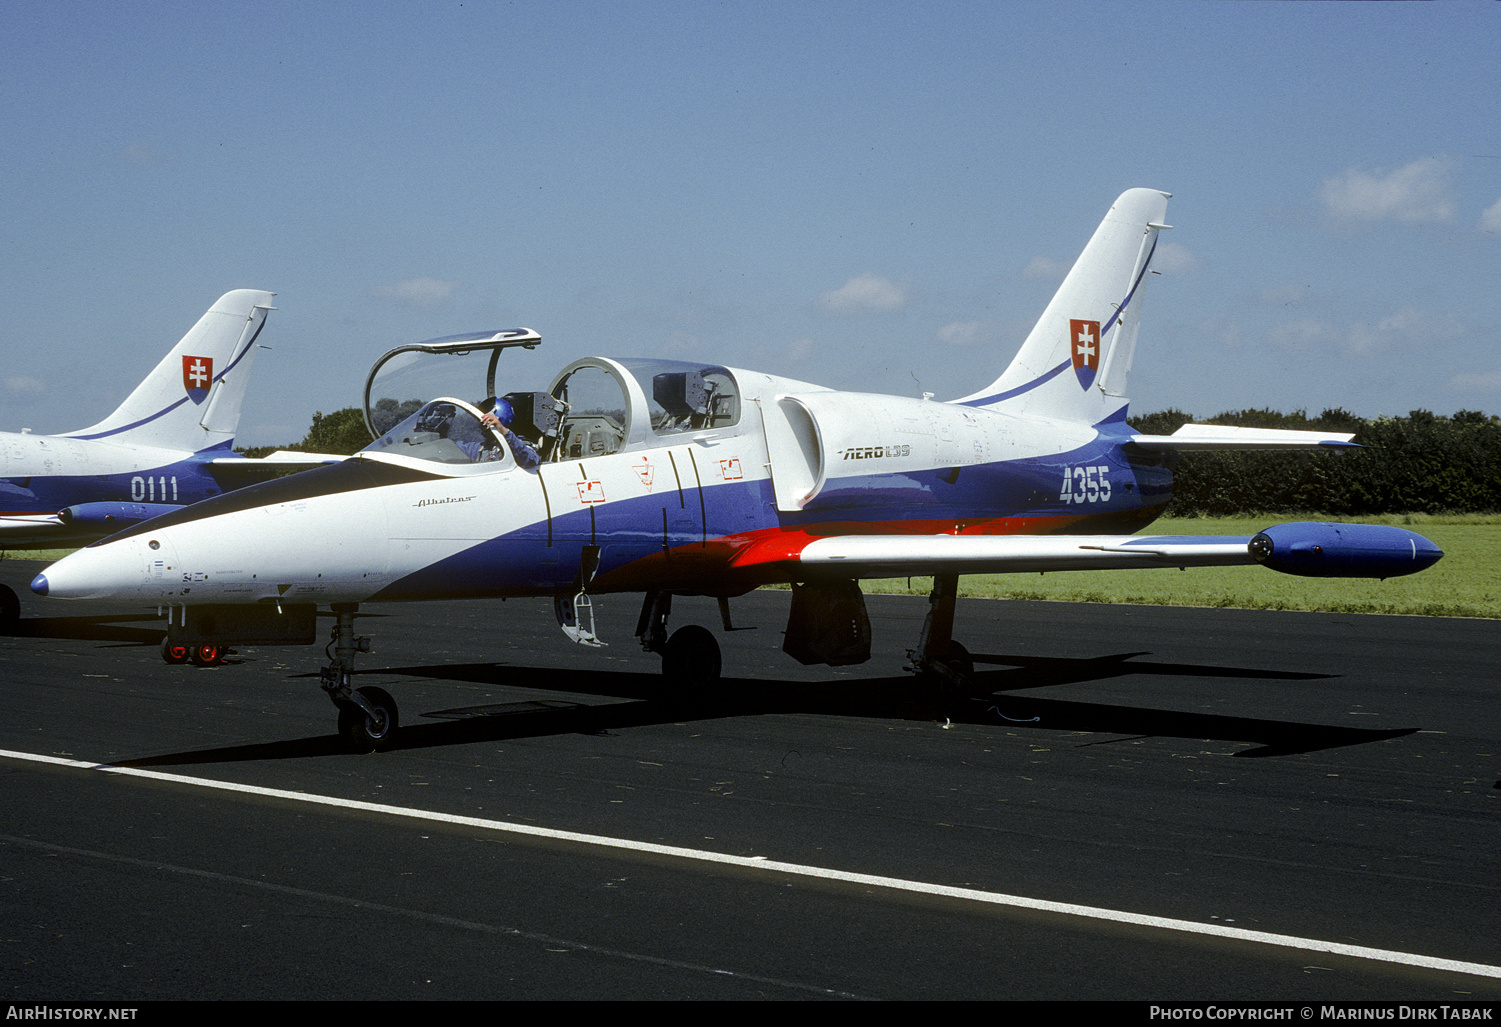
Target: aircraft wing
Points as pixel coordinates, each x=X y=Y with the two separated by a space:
x=35 y=531
x=1306 y=548
x=884 y=556
x=1224 y=436
x=283 y=461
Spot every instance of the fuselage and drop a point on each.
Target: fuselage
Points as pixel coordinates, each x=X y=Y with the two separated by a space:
x=715 y=508
x=43 y=474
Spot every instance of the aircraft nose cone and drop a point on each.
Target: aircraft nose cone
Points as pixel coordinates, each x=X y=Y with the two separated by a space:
x=114 y=571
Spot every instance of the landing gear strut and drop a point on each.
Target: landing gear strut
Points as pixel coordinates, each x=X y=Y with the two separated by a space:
x=690 y=657
x=367 y=716
x=938 y=659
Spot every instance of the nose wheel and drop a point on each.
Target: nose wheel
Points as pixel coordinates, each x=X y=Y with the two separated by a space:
x=367 y=716
x=368 y=719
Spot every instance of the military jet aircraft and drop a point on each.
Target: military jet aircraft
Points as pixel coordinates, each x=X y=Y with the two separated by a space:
x=168 y=444
x=672 y=478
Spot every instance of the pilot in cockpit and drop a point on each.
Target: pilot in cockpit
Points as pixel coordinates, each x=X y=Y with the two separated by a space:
x=500 y=417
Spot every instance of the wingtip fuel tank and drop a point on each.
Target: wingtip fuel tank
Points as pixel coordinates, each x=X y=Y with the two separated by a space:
x=1320 y=549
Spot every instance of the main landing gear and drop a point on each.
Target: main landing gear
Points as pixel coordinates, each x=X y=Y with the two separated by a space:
x=367 y=716
x=938 y=659
x=690 y=657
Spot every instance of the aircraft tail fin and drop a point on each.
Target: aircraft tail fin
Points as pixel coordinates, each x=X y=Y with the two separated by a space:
x=1074 y=364
x=191 y=400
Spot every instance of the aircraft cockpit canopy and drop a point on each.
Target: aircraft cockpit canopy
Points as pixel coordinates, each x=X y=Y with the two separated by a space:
x=455 y=365
x=444 y=431
x=594 y=406
x=610 y=405
x=685 y=396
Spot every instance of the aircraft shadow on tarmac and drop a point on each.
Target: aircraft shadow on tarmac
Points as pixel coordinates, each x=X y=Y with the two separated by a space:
x=892 y=698
x=105 y=628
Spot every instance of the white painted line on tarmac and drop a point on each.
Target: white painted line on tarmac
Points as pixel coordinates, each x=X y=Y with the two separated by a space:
x=775 y=866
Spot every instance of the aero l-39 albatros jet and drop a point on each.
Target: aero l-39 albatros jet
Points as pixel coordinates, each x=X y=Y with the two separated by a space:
x=675 y=478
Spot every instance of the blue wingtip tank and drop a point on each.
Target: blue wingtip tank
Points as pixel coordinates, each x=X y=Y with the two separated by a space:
x=1319 y=549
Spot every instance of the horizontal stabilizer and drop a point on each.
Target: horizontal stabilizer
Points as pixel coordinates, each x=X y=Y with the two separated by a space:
x=1224 y=436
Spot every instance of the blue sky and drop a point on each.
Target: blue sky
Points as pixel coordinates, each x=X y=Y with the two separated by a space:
x=874 y=196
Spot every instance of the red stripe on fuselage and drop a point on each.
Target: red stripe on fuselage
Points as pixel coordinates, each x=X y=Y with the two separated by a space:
x=732 y=565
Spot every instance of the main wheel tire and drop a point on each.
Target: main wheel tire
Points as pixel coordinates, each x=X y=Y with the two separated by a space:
x=363 y=732
x=206 y=655
x=956 y=660
x=10 y=605
x=690 y=659
x=174 y=652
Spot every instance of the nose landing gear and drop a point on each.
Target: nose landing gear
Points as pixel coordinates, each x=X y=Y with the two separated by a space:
x=367 y=716
x=367 y=719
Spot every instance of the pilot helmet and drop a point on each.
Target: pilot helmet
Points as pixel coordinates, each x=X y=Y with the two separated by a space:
x=503 y=412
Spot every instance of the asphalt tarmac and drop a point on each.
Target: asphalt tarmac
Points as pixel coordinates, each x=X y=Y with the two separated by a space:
x=1325 y=778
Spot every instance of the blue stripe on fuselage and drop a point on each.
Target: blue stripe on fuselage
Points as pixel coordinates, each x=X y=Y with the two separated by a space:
x=523 y=561
x=180 y=482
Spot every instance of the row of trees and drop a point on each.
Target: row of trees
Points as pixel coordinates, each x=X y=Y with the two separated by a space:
x=1421 y=463
x=342 y=431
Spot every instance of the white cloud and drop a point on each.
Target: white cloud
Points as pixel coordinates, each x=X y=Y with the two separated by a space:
x=420 y=292
x=1408 y=329
x=1285 y=295
x=1171 y=256
x=1490 y=221
x=1047 y=268
x=1413 y=194
x=799 y=350
x=960 y=333
x=865 y=292
x=1478 y=381
x=1421 y=325
x=1302 y=333
x=23 y=388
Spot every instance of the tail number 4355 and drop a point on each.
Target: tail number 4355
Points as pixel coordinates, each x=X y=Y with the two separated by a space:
x=1085 y=484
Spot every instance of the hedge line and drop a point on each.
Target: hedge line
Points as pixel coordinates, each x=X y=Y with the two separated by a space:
x=1421 y=463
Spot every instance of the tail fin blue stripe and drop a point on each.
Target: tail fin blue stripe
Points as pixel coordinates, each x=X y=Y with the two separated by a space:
x=1043 y=379
x=173 y=406
x=1034 y=383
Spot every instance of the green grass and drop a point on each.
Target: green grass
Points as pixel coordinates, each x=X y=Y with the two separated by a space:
x=1465 y=583
x=47 y=555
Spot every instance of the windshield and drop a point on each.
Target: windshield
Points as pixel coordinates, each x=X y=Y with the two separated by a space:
x=455 y=365
x=444 y=431
x=686 y=396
